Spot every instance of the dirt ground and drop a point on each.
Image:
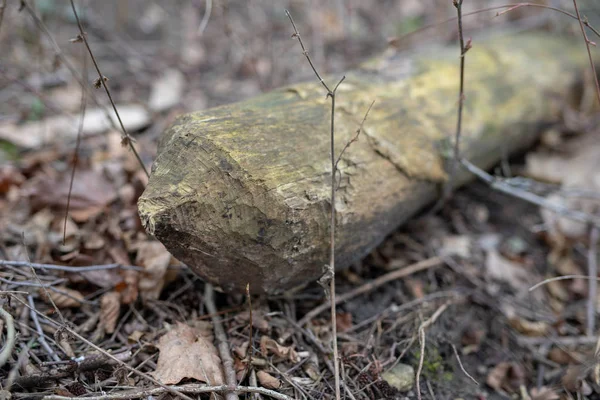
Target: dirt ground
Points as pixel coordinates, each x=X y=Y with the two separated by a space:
x=100 y=309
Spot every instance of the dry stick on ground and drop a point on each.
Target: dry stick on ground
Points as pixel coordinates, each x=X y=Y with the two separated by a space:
x=461 y=99
x=250 y=349
x=426 y=324
x=126 y=139
x=222 y=343
x=560 y=340
x=504 y=186
x=67 y=268
x=89 y=363
x=106 y=353
x=461 y=365
x=44 y=288
x=374 y=284
x=14 y=371
x=330 y=272
x=9 y=343
x=40 y=331
x=192 y=389
x=254 y=382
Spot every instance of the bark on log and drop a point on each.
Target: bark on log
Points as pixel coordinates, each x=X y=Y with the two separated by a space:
x=240 y=193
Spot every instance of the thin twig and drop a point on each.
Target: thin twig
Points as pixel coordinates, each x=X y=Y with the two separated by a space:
x=509 y=7
x=67 y=268
x=205 y=18
x=40 y=331
x=65 y=60
x=45 y=289
x=374 y=284
x=461 y=99
x=9 y=342
x=106 y=353
x=125 y=137
x=223 y=344
x=593 y=281
x=461 y=365
x=191 y=388
x=32 y=284
x=561 y=278
x=426 y=324
x=560 y=340
x=76 y=151
x=587 y=46
x=355 y=138
x=512 y=7
x=330 y=273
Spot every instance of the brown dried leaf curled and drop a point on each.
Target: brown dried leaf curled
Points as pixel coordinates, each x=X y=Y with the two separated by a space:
x=188 y=352
x=110 y=307
x=155 y=259
x=62 y=297
x=267 y=380
x=270 y=346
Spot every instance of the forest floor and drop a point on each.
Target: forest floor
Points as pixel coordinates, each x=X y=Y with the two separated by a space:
x=101 y=309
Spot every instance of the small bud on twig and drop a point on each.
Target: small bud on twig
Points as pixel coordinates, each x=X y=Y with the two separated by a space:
x=98 y=82
x=77 y=39
x=468 y=45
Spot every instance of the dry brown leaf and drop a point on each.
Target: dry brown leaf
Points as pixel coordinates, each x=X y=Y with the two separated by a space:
x=528 y=328
x=136 y=336
x=242 y=350
x=104 y=278
x=9 y=177
x=129 y=287
x=267 y=380
x=90 y=195
x=506 y=377
x=343 y=321
x=270 y=346
x=500 y=268
x=110 y=307
x=311 y=367
x=544 y=393
x=259 y=320
x=564 y=357
x=187 y=352
x=155 y=259
x=62 y=298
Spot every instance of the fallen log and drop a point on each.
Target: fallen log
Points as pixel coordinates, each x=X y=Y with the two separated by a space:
x=240 y=193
